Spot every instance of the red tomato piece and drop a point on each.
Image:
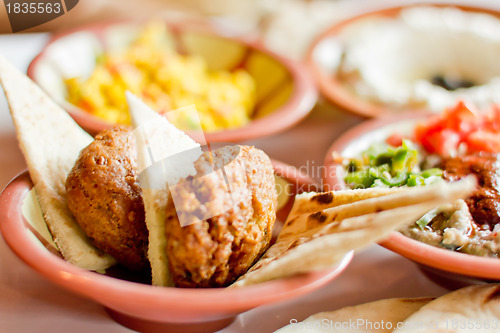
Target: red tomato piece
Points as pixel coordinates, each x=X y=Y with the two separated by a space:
x=492 y=120
x=461 y=124
x=462 y=119
x=395 y=140
x=443 y=142
x=483 y=141
x=434 y=124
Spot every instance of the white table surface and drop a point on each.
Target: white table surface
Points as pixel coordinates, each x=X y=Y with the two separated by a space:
x=29 y=303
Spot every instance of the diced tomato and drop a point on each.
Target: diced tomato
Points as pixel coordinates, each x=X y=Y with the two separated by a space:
x=443 y=142
x=443 y=134
x=434 y=124
x=492 y=120
x=483 y=140
x=462 y=119
x=395 y=140
x=460 y=124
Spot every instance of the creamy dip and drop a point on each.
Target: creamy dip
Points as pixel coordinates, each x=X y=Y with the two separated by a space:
x=456 y=232
x=403 y=61
x=471 y=225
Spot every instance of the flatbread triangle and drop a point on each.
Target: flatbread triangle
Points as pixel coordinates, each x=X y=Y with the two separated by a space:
x=319 y=240
x=156 y=141
x=50 y=141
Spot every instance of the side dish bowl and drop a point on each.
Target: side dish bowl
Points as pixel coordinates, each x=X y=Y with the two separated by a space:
x=381 y=83
x=139 y=305
x=441 y=264
x=285 y=91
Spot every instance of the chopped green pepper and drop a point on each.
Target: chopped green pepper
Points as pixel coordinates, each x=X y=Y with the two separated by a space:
x=399 y=180
x=388 y=166
x=432 y=172
x=427 y=218
x=358 y=179
x=415 y=180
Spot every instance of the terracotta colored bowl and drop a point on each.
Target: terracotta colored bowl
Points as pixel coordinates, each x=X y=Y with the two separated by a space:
x=285 y=91
x=326 y=50
x=441 y=264
x=143 y=307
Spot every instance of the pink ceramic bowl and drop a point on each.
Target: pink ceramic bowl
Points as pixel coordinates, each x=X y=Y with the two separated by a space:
x=143 y=307
x=285 y=90
x=326 y=51
x=453 y=269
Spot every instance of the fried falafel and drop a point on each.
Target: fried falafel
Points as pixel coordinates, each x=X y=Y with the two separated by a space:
x=106 y=200
x=105 y=197
x=214 y=252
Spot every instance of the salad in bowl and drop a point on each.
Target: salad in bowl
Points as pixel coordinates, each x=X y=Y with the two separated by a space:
x=427 y=149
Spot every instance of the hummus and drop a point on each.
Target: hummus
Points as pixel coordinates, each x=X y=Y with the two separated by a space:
x=453 y=228
x=426 y=57
x=471 y=225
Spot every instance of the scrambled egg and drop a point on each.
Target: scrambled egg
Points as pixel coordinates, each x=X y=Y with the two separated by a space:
x=165 y=80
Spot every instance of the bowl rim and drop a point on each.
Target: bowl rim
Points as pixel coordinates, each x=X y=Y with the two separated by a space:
x=420 y=252
x=302 y=99
x=109 y=291
x=332 y=88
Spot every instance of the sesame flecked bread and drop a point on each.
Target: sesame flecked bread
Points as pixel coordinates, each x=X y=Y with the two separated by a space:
x=50 y=141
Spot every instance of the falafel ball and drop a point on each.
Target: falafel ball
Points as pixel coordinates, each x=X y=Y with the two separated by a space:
x=214 y=252
x=106 y=200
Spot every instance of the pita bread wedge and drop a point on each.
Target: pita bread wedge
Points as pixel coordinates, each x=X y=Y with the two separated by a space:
x=363 y=318
x=156 y=141
x=50 y=141
x=320 y=240
x=348 y=204
x=311 y=202
x=470 y=309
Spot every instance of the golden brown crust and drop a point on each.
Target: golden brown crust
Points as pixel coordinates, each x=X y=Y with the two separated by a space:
x=105 y=197
x=216 y=251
